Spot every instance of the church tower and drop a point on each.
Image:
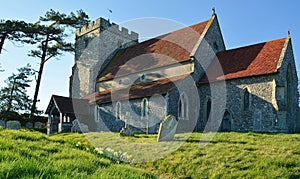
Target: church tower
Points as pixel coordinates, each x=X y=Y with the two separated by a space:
x=95 y=44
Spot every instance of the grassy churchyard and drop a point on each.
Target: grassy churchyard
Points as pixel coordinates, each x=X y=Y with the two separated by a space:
x=28 y=154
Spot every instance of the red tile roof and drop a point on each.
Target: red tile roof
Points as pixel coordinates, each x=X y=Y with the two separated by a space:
x=164 y=50
x=68 y=105
x=136 y=91
x=246 y=61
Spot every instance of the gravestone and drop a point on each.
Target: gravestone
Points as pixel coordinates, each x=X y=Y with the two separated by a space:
x=2 y=123
x=15 y=125
x=38 y=125
x=75 y=126
x=167 y=129
x=28 y=125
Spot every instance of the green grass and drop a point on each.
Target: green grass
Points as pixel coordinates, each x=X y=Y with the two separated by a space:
x=25 y=154
x=234 y=155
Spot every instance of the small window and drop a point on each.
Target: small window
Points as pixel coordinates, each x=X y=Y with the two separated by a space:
x=97 y=111
x=143 y=78
x=120 y=42
x=246 y=100
x=86 y=42
x=216 y=46
x=208 y=109
x=183 y=107
x=144 y=108
x=118 y=110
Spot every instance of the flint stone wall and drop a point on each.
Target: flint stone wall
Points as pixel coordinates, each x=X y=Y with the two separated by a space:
x=131 y=113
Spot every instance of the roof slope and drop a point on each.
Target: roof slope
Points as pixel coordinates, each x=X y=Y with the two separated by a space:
x=164 y=50
x=258 y=59
x=67 y=105
x=136 y=91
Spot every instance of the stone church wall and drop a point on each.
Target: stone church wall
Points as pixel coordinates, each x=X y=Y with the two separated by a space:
x=265 y=110
x=289 y=110
x=268 y=102
x=261 y=114
x=95 y=45
x=211 y=43
x=187 y=88
x=131 y=113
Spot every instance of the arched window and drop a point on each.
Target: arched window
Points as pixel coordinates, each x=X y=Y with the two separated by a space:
x=144 y=108
x=97 y=111
x=246 y=100
x=183 y=107
x=118 y=110
x=226 y=122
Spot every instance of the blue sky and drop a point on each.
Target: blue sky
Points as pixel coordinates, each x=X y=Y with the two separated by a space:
x=242 y=23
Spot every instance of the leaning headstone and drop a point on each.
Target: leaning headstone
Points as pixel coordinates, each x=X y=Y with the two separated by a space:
x=75 y=126
x=79 y=127
x=167 y=129
x=38 y=125
x=15 y=125
x=2 y=123
x=28 y=125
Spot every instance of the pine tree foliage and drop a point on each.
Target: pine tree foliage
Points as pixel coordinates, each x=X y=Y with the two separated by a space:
x=51 y=40
x=49 y=35
x=13 y=30
x=13 y=97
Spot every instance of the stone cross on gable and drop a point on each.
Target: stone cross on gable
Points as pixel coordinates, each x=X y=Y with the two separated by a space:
x=214 y=10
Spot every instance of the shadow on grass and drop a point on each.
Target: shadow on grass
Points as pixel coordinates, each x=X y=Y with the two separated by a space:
x=213 y=142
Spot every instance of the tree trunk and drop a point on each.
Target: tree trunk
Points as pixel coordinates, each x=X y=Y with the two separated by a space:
x=38 y=81
x=36 y=92
x=2 y=39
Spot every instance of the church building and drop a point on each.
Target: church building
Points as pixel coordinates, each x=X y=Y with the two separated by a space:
x=187 y=73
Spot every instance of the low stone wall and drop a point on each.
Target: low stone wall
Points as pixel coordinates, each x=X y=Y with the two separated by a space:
x=15 y=125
